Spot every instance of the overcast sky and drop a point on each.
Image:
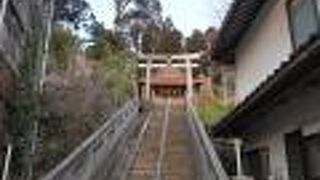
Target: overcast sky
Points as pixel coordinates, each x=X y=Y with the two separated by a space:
x=186 y=14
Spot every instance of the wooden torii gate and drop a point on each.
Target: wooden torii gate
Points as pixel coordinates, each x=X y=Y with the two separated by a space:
x=189 y=61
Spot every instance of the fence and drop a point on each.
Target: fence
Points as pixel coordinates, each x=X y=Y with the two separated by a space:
x=94 y=159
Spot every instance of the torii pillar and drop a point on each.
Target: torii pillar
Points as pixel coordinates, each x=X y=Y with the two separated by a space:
x=189 y=80
x=148 y=79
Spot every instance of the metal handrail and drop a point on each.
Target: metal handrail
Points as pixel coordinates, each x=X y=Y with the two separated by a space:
x=163 y=143
x=210 y=164
x=95 y=152
x=133 y=155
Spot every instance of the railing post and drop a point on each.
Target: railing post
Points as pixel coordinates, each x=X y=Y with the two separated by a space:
x=237 y=147
x=189 y=82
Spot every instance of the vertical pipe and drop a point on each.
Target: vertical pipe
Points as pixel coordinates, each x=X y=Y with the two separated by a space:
x=237 y=146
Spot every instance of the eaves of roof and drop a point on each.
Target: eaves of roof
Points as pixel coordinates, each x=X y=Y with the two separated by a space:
x=301 y=62
x=239 y=18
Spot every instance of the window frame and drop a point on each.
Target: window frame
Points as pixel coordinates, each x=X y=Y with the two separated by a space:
x=290 y=20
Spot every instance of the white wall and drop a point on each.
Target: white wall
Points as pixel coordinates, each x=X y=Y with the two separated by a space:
x=275 y=143
x=278 y=160
x=264 y=47
x=268 y=131
x=318 y=5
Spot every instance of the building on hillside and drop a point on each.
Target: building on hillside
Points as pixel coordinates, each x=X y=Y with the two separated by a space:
x=210 y=36
x=223 y=80
x=171 y=76
x=275 y=48
x=222 y=74
x=17 y=20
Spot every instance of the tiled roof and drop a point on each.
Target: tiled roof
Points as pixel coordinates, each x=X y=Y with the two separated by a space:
x=239 y=18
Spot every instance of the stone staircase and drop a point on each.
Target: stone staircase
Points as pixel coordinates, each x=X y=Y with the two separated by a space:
x=178 y=160
x=144 y=165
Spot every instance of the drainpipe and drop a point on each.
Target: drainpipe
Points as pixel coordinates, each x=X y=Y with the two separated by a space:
x=237 y=148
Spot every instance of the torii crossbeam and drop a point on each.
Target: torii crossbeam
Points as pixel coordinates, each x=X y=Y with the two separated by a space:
x=187 y=61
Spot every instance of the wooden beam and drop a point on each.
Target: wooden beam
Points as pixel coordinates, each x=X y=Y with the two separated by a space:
x=184 y=56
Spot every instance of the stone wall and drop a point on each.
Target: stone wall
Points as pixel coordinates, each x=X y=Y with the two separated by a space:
x=266 y=45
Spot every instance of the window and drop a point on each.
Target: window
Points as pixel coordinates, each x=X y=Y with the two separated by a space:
x=303 y=20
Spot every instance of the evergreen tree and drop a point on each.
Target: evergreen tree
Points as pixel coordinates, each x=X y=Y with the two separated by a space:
x=167 y=39
x=134 y=16
x=196 y=42
x=75 y=12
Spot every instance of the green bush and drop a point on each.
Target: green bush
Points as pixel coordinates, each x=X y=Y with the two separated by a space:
x=213 y=113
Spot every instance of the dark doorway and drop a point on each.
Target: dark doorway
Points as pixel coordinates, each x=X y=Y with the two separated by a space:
x=294 y=152
x=311 y=147
x=259 y=163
